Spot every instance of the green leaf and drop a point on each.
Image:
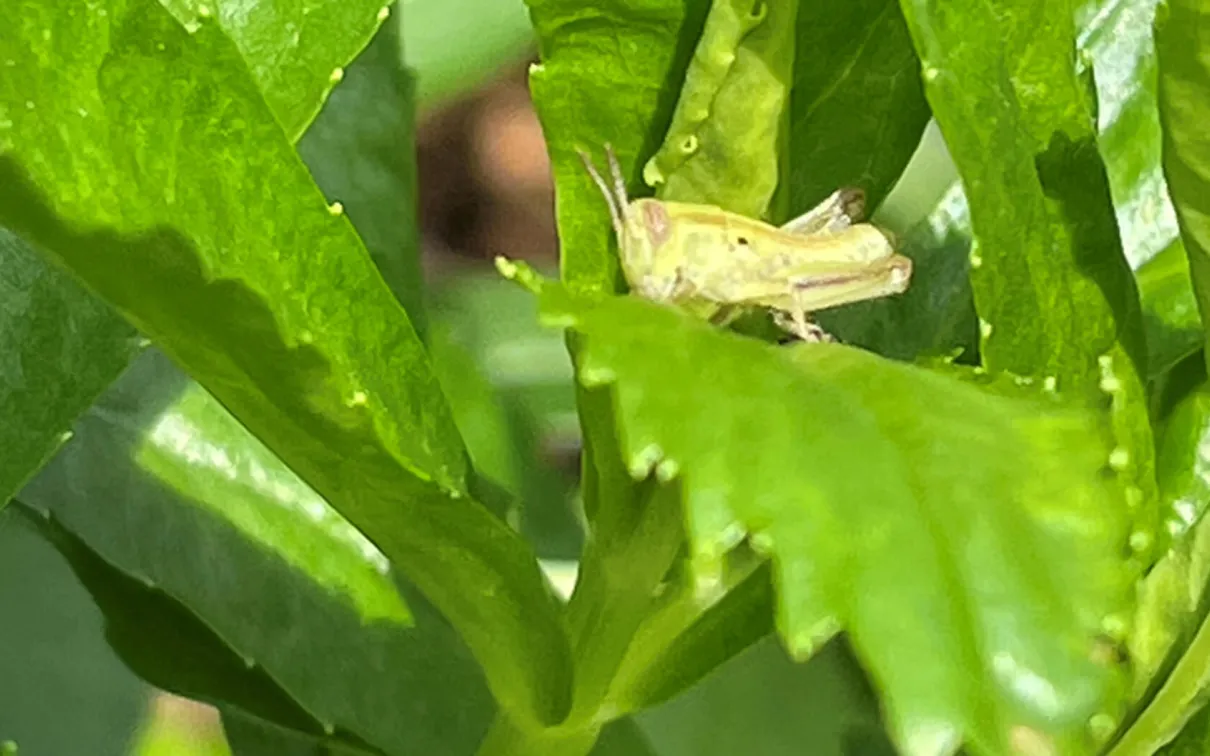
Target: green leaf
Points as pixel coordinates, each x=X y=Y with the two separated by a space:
x=623 y=737
x=1194 y=738
x=857 y=109
x=1184 y=472
x=1174 y=326
x=49 y=313
x=731 y=110
x=295 y=49
x=1184 y=84
x=361 y=152
x=244 y=545
x=686 y=636
x=608 y=75
x=1117 y=39
x=976 y=511
x=509 y=381
x=630 y=549
x=1172 y=597
x=935 y=317
x=161 y=641
x=52 y=652
x=177 y=198
x=1184 y=690
x=487 y=34
x=250 y=736
x=60 y=347
x=742 y=708
x=1054 y=293
x=590 y=91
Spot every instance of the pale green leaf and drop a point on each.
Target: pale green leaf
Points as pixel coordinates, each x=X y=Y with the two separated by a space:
x=975 y=511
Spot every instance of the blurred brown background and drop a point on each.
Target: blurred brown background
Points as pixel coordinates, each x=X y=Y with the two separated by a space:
x=485 y=183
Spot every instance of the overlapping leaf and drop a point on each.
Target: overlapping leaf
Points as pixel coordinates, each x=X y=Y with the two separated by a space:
x=198 y=508
x=167 y=185
x=47 y=313
x=1184 y=85
x=1054 y=293
x=857 y=108
x=289 y=46
x=973 y=511
x=52 y=650
x=59 y=346
x=591 y=90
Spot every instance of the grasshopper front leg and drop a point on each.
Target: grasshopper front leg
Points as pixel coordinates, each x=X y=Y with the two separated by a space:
x=797 y=323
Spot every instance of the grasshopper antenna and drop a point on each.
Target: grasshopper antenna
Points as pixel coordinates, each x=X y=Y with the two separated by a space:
x=615 y=212
x=619 y=183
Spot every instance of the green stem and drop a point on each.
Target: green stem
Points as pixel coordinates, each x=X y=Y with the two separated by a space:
x=505 y=738
x=1178 y=700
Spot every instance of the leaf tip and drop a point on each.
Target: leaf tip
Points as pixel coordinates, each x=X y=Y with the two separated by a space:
x=649 y=458
x=519 y=272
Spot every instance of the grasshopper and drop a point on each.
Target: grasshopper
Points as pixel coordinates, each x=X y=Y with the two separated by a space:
x=712 y=261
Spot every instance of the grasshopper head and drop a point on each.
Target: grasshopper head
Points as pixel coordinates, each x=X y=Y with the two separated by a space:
x=645 y=246
x=643 y=230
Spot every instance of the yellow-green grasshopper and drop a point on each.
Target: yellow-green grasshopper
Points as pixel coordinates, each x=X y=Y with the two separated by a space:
x=704 y=258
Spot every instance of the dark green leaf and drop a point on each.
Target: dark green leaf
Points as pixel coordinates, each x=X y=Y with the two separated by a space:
x=510 y=384
x=1184 y=88
x=361 y=152
x=162 y=642
x=63 y=690
x=1055 y=296
x=857 y=109
x=935 y=315
x=146 y=162
x=1117 y=38
x=763 y=703
x=295 y=49
x=250 y=736
x=973 y=509
x=1174 y=326
x=61 y=346
x=199 y=508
